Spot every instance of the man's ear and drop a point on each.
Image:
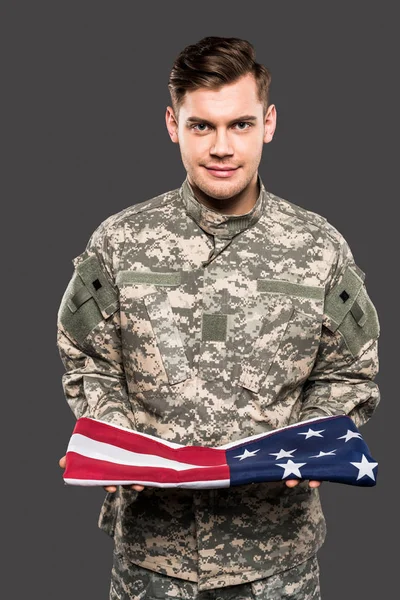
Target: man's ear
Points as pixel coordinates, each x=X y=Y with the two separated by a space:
x=172 y=124
x=270 y=124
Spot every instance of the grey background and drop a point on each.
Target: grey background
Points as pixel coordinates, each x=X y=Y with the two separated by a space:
x=84 y=93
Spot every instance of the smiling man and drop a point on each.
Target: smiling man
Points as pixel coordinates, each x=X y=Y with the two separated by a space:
x=220 y=136
x=210 y=313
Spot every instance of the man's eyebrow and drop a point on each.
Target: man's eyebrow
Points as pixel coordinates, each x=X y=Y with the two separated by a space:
x=243 y=118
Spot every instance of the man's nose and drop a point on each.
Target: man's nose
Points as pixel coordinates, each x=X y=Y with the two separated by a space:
x=221 y=145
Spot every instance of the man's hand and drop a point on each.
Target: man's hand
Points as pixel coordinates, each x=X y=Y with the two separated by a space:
x=109 y=488
x=139 y=488
x=294 y=482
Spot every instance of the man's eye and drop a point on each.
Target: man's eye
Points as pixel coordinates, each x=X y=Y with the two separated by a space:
x=237 y=123
x=200 y=125
x=243 y=123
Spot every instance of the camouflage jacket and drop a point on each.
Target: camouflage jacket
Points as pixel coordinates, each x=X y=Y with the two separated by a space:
x=204 y=328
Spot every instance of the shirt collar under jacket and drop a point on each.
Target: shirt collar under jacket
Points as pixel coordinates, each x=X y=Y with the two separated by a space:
x=217 y=223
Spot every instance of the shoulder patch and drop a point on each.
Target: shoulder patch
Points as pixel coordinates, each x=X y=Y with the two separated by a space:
x=349 y=309
x=89 y=298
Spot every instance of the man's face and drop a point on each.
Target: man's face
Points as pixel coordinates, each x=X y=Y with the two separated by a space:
x=222 y=128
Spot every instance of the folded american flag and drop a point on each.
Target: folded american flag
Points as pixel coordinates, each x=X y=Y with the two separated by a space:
x=322 y=449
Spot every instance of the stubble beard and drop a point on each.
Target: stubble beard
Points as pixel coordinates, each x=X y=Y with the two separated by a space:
x=220 y=190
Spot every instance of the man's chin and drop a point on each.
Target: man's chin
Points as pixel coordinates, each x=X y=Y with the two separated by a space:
x=218 y=188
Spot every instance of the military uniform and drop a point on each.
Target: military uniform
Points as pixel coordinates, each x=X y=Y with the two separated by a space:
x=204 y=328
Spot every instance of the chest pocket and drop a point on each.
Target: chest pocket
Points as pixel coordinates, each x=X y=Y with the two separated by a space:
x=153 y=350
x=285 y=347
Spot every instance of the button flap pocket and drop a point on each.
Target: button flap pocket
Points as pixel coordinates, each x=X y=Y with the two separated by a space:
x=168 y=337
x=150 y=334
x=256 y=365
x=297 y=350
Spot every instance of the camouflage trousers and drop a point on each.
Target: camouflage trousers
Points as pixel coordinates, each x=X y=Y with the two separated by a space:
x=132 y=582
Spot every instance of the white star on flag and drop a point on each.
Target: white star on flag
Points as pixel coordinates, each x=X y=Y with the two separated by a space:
x=246 y=454
x=350 y=434
x=365 y=468
x=283 y=453
x=312 y=433
x=321 y=453
x=291 y=467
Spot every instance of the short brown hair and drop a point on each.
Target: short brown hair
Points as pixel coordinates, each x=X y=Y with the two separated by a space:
x=213 y=62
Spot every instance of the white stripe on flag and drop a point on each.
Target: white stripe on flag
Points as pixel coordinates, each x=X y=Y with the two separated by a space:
x=222 y=483
x=101 y=451
x=146 y=435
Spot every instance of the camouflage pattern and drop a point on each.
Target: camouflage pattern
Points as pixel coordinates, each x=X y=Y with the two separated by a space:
x=131 y=582
x=204 y=328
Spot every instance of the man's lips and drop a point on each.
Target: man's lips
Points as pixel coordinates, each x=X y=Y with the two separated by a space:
x=222 y=172
x=224 y=168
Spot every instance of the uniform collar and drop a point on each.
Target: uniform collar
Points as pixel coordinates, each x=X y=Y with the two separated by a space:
x=217 y=223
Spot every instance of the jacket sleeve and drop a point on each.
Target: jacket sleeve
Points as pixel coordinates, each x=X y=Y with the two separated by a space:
x=89 y=338
x=342 y=378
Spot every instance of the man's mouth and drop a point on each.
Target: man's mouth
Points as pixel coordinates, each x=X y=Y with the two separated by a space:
x=225 y=171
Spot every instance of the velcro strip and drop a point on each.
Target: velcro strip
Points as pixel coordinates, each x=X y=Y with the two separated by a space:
x=289 y=288
x=214 y=327
x=358 y=313
x=78 y=299
x=151 y=277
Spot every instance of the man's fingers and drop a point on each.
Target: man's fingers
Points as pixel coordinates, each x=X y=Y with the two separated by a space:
x=112 y=488
x=136 y=487
x=62 y=462
x=292 y=482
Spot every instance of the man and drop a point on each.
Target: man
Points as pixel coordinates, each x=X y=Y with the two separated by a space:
x=210 y=313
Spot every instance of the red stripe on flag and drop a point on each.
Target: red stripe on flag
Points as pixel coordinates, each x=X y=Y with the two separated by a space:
x=135 y=442
x=91 y=469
